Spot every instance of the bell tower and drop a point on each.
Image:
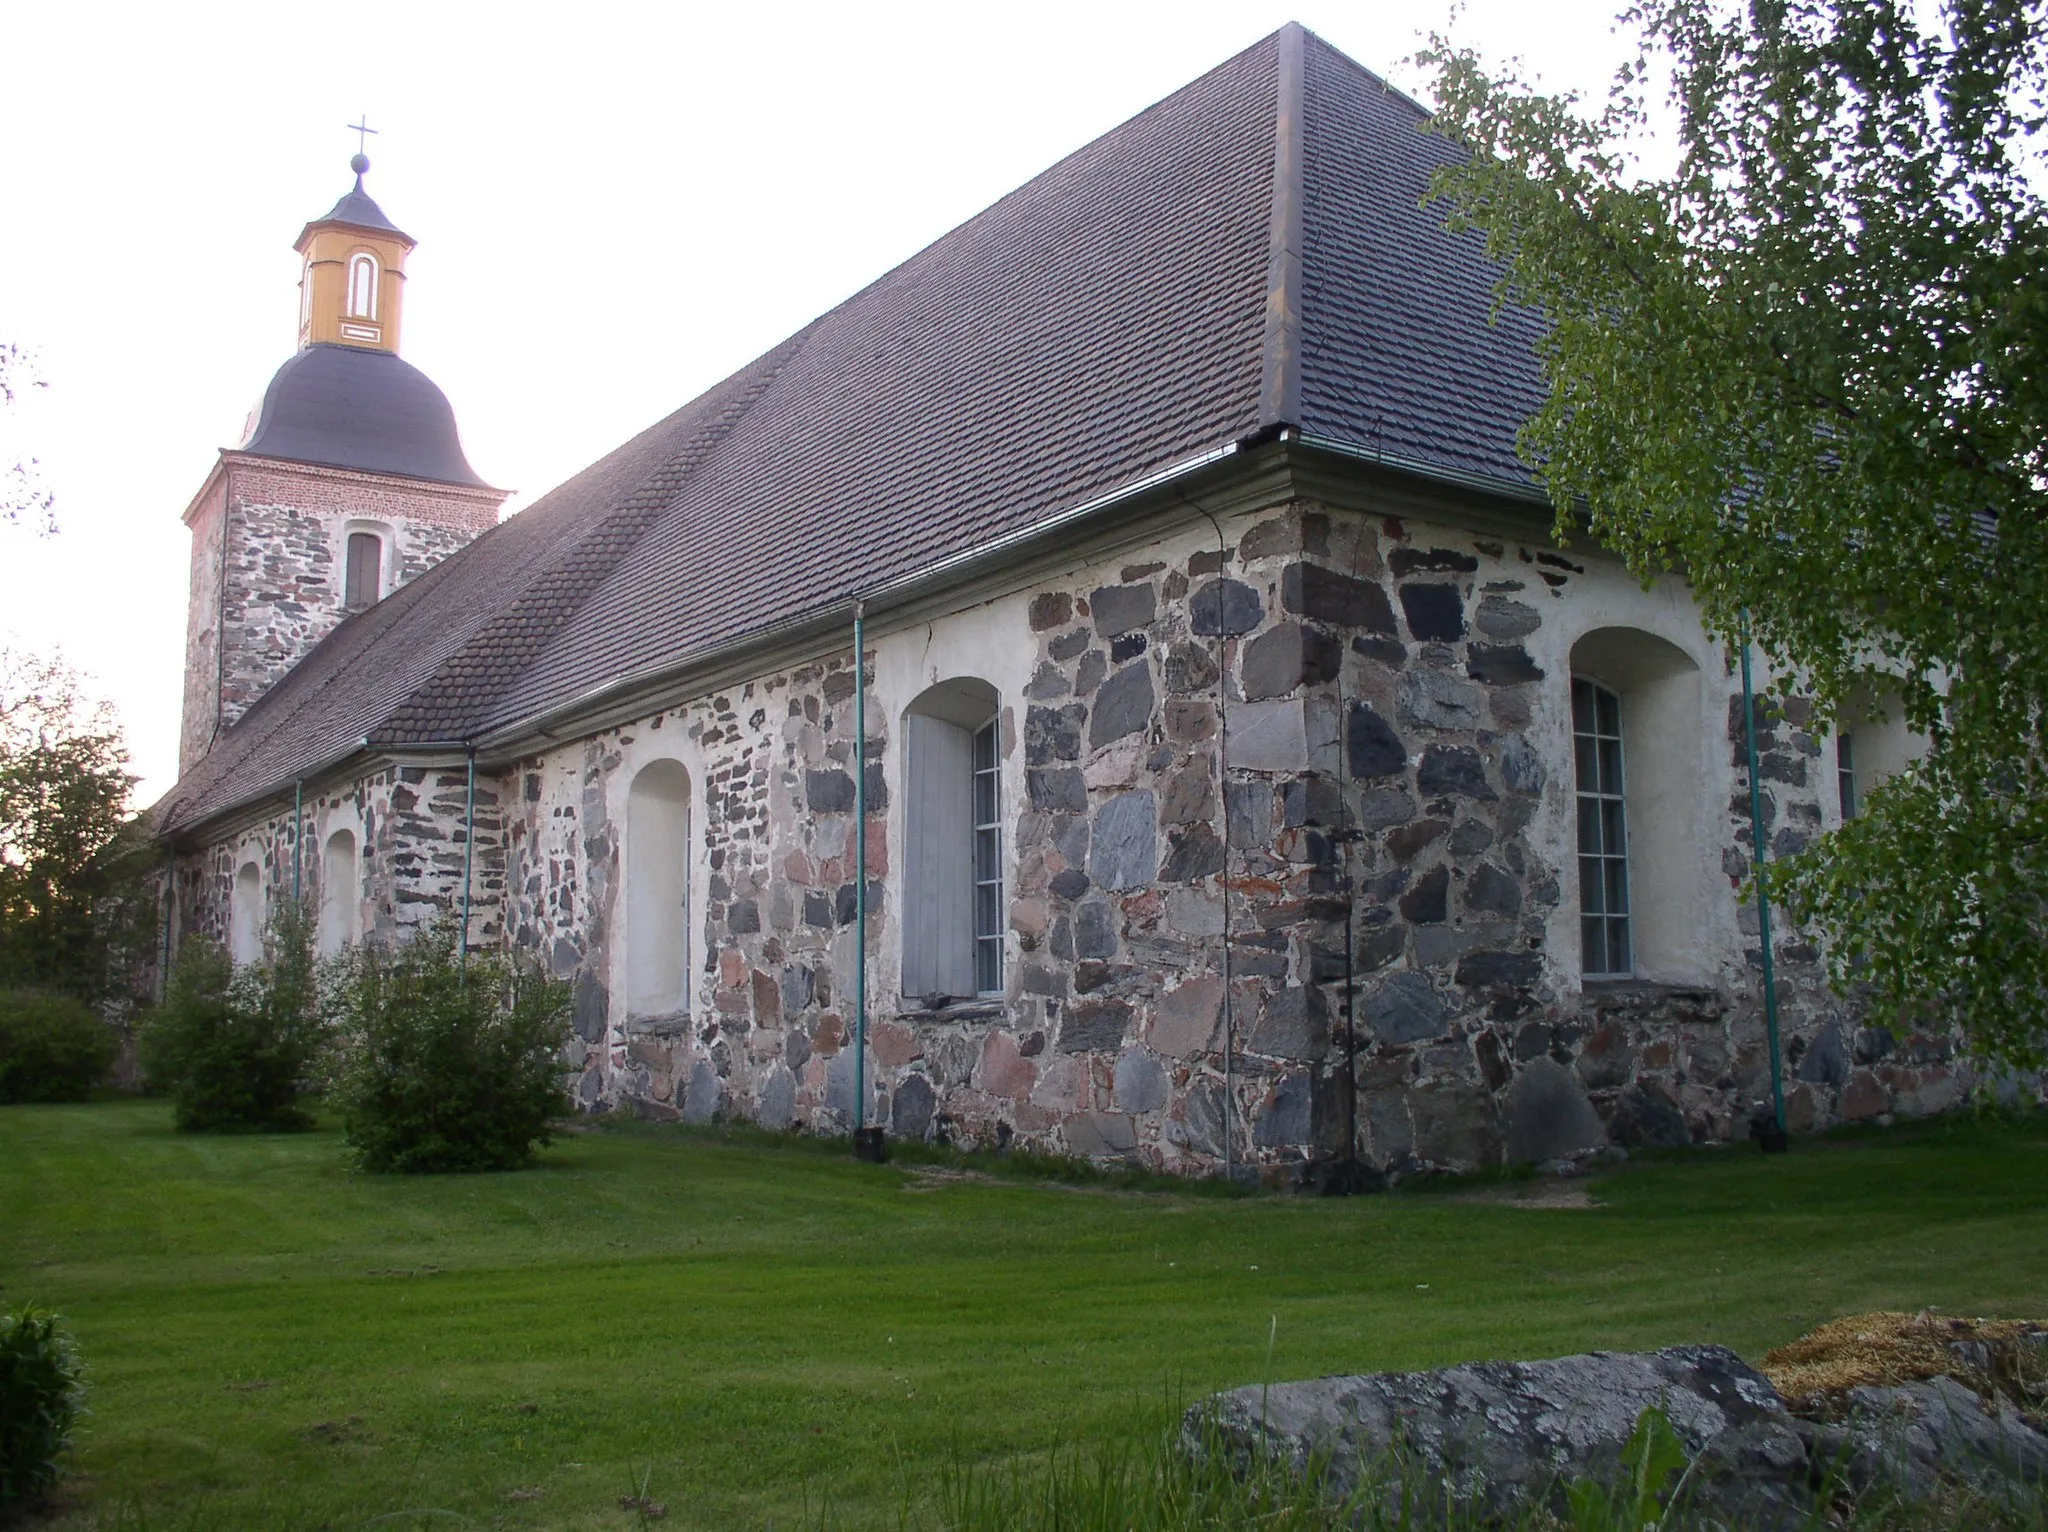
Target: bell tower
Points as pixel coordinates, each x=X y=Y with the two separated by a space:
x=352 y=285
x=350 y=482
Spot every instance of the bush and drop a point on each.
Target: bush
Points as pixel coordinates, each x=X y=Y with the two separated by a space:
x=52 y=1048
x=234 y=1047
x=42 y=1395
x=446 y=1067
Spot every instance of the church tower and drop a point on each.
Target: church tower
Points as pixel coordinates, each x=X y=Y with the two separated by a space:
x=349 y=481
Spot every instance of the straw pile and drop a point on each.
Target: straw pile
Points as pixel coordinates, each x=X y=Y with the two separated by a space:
x=1996 y=1357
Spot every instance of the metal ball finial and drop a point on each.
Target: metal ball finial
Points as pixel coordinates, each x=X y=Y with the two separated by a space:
x=359 y=163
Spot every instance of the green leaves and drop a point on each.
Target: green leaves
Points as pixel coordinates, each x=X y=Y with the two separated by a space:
x=42 y=1395
x=1808 y=368
x=71 y=860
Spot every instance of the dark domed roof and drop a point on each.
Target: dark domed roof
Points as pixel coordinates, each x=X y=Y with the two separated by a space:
x=352 y=407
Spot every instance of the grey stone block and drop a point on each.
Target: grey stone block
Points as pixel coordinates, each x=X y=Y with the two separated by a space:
x=1141 y=1083
x=1374 y=749
x=1435 y=613
x=1224 y=607
x=910 y=1114
x=1826 y=1061
x=1286 y=1121
x=1123 y=705
x=706 y=1093
x=1646 y=1118
x=1439 y=701
x=1119 y=608
x=1501 y=617
x=1453 y=771
x=1310 y=590
x=778 y=1099
x=1125 y=850
x=1546 y=1116
x=1404 y=1008
x=1096 y=1133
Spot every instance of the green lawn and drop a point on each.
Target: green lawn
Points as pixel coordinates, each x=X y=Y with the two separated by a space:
x=757 y=1328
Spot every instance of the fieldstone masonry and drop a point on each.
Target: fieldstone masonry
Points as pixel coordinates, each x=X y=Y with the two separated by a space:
x=1214 y=762
x=268 y=550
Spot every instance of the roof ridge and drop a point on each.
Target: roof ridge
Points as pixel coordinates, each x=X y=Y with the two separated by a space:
x=1280 y=352
x=517 y=636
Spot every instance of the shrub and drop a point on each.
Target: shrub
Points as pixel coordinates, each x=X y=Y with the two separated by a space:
x=52 y=1048
x=447 y=1066
x=41 y=1397
x=234 y=1047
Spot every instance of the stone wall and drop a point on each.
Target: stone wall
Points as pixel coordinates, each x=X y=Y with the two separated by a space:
x=1211 y=757
x=409 y=826
x=260 y=609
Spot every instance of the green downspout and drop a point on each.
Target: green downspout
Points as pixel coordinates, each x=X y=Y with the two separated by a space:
x=298 y=836
x=468 y=852
x=860 y=870
x=1763 y=897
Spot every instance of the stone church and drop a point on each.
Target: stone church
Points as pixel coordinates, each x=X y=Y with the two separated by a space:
x=1235 y=772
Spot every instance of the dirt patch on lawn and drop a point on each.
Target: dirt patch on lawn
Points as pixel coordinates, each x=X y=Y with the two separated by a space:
x=1542 y=1196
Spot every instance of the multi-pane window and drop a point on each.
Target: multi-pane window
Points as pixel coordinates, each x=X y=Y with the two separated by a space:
x=1845 y=774
x=954 y=916
x=988 y=862
x=1603 y=832
x=365 y=581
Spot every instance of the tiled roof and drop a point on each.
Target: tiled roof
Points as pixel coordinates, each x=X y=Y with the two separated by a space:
x=358 y=211
x=1246 y=253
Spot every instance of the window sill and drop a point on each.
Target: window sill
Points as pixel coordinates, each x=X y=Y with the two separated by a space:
x=666 y=1024
x=976 y=1008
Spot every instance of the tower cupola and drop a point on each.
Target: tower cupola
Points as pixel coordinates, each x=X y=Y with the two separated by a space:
x=352 y=287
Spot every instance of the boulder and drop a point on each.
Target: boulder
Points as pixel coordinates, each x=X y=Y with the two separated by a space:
x=1499 y=1438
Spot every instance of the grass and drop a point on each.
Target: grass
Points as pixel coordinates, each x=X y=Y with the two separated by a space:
x=754 y=1332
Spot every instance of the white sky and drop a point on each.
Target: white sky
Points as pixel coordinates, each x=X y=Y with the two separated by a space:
x=616 y=207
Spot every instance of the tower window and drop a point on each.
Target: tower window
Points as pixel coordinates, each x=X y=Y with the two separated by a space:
x=1845 y=773
x=1603 y=831
x=365 y=578
x=362 y=286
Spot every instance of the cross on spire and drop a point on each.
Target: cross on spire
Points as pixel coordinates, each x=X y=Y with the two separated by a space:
x=362 y=131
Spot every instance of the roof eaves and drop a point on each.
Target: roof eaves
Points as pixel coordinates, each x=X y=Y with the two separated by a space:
x=1280 y=356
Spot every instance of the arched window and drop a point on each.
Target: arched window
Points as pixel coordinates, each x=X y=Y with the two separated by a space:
x=364 y=581
x=245 y=916
x=1640 y=741
x=341 y=900
x=362 y=286
x=953 y=926
x=658 y=891
x=306 y=295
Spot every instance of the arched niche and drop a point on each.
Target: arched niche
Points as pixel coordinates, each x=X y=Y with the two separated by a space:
x=340 y=894
x=245 y=915
x=657 y=877
x=1648 y=732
